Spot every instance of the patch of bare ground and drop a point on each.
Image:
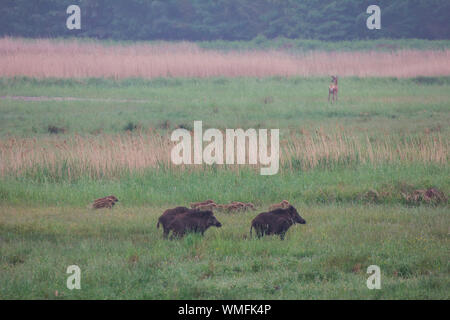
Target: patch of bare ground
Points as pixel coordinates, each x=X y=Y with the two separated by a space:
x=45 y=98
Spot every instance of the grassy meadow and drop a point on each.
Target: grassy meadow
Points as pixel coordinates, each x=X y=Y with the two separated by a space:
x=123 y=256
x=67 y=138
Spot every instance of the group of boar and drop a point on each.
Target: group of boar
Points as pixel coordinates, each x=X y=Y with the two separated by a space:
x=181 y=220
x=200 y=217
x=230 y=207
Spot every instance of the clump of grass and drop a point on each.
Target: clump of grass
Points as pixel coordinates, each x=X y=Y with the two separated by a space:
x=132 y=126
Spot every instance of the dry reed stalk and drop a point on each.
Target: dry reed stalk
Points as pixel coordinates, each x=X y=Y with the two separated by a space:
x=44 y=58
x=110 y=155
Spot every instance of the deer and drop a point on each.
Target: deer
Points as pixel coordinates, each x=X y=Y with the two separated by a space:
x=333 y=89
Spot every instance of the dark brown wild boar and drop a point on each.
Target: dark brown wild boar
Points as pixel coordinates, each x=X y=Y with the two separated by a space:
x=277 y=222
x=193 y=221
x=168 y=216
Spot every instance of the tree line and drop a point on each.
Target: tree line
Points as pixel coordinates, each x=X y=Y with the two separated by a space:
x=204 y=20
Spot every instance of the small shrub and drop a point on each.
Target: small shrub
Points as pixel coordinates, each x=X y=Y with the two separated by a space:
x=131 y=126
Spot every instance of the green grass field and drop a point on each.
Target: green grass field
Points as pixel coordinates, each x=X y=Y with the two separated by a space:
x=373 y=106
x=122 y=255
x=46 y=224
x=294 y=45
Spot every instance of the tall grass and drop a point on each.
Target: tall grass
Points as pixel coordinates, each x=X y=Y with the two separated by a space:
x=109 y=156
x=72 y=59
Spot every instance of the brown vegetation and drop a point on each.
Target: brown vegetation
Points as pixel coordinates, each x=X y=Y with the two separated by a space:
x=73 y=59
x=111 y=155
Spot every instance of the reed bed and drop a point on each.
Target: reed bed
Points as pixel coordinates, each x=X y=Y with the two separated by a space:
x=45 y=58
x=110 y=156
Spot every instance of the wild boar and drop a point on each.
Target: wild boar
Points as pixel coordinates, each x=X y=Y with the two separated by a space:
x=239 y=206
x=206 y=207
x=193 y=221
x=106 y=202
x=168 y=216
x=250 y=206
x=283 y=205
x=277 y=222
x=194 y=205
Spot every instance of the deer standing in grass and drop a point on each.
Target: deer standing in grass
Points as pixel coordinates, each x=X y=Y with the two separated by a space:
x=333 y=89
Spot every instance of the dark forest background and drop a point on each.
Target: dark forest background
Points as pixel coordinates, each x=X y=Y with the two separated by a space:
x=194 y=20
